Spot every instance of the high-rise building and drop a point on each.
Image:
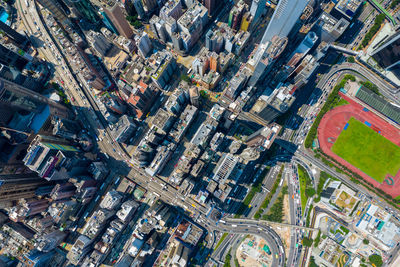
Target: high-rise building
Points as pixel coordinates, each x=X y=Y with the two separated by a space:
x=124 y=129
x=55 y=8
x=235 y=16
x=17 y=186
x=257 y=8
x=143 y=45
x=150 y=5
x=157 y=26
x=246 y=20
x=117 y=18
x=285 y=16
x=84 y=9
x=17 y=97
x=138 y=4
x=14 y=75
x=328 y=28
x=172 y=8
x=308 y=42
x=52 y=158
x=11 y=58
x=210 y=5
x=270 y=106
x=388 y=54
x=13 y=34
x=264 y=137
x=27 y=208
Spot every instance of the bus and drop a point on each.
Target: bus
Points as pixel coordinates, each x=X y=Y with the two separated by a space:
x=267 y=250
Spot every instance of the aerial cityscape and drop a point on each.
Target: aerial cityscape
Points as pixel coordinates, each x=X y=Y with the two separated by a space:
x=211 y=133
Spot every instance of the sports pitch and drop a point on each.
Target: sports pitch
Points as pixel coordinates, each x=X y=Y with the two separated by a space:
x=368 y=151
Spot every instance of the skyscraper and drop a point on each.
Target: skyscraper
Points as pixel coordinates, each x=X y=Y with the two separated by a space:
x=257 y=8
x=51 y=158
x=17 y=97
x=150 y=5
x=285 y=16
x=55 y=8
x=138 y=4
x=117 y=18
x=388 y=54
x=11 y=58
x=210 y=5
x=16 y=186
x=14 y=35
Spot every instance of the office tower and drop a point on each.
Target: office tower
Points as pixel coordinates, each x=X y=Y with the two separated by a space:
x=62 y=191
x=17 y=186
x=18 y=38
x=84 y=9
x=150 y=5
x=308 y=42
x=235 y=16
x=246 y=20
x=55 y=9
x=210 y=5
x=157 y=26
x=117 y=18
x=11 y=58
x=124 y=129
x=26 y=208
x=285 y=16
x=138 y=4
x=346 y=8
x=258 y=62
x=329 y=29
x=388 y=54
x=172 y=8
x=52 y=158
x=143 y=45
x=257 y=8
x=264 y=137
x=36 y=258
x=16 y=97
x=269 y=107
x=14 y=75
x=99 y=42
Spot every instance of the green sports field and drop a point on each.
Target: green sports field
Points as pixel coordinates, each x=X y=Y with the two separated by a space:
x=367 y=150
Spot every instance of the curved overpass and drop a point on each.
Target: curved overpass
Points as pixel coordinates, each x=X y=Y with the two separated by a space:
x=252 y=227
x=385 y=87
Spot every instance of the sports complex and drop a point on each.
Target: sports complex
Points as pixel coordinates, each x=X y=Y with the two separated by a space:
x=364 y=140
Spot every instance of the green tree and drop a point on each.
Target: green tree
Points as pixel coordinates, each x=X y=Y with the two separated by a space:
x=307 y=242
x=351 y=59
x=376 y=259
x=312 y=262
x=366 y=241
x=310 y=191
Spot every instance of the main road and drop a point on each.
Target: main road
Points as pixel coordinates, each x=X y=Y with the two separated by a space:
x=86 y=106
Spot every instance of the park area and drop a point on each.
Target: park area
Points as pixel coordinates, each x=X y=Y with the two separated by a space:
x=367 y=150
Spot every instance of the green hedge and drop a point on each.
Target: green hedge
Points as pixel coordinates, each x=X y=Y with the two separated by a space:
x=266 y=201
x=331 y=101
x=373 y=30
x=255 y=188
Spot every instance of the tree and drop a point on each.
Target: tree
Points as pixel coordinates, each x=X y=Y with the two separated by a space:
x=307 y=242
x=376 y=259
x=312 y=262
x=366 y=241
x=351 y=59
x=186 y=78
x=310 y=191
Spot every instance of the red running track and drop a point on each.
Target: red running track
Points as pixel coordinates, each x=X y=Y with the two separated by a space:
x=332 y=124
